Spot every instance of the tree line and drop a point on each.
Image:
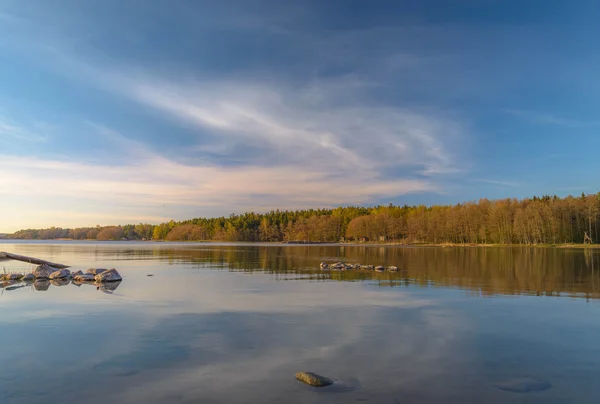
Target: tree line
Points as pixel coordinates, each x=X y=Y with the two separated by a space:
x=537 y=220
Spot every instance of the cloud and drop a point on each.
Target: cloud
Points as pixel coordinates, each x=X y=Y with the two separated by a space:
x=253 y=140
x=292 y=124
x=165 y=181
x=151 y=187
x=9 y=130
x=508 y=184
x=543 y=118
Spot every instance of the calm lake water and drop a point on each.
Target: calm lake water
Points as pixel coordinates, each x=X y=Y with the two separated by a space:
x=219 y=323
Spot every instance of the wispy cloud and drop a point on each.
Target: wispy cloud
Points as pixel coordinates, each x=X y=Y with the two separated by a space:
x=543 y=118
x=9 y=130
x=507 y=184
x=163 y=187
x=293 y=126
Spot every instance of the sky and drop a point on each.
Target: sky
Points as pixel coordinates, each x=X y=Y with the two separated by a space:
x=128 y=111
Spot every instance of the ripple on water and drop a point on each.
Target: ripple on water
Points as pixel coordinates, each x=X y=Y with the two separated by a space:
x=523 y=385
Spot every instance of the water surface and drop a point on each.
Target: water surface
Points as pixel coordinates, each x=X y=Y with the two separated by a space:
x=222 y=323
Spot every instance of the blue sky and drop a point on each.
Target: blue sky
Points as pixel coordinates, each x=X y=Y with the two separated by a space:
x=115 y=112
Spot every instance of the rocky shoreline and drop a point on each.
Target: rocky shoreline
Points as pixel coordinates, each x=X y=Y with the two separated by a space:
x=343 y=266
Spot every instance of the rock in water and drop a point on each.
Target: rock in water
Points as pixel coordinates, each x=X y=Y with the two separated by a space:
x=74 y=274
x=314 y=379
x=84 y=277
x=379 y=268
x=44 y=271
x=109 y=276
x=60 y=274
x=96 y=271
x=28 y=277
x=392 y=268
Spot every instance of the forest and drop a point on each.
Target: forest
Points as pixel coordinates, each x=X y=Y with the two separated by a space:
x=537 y=220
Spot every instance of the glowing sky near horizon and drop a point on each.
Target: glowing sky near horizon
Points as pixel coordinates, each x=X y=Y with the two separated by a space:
x=132 y=111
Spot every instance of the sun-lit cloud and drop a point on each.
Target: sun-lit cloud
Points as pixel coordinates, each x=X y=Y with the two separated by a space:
x=149 y=183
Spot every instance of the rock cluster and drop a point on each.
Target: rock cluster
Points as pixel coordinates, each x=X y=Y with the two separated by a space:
x=44 y=273
x=342 y=266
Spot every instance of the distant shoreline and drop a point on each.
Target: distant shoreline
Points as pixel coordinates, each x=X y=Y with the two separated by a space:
x=301 y=243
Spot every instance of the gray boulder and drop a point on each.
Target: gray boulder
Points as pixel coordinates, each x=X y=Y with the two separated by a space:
x=109 y=276
x=96 y=271
x=74 y=274
x=28 y=277
x=314 y=379
x=60 y=274
x=44 y=271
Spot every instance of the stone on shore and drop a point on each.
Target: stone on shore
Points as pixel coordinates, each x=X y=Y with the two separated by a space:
x=313 y=379
x=109 y=276
x=60 y=274
x=44 y=271
x=96 y=271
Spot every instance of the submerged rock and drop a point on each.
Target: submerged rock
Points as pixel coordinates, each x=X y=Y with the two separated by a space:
x=109 y=276
x=96 y=271
x=314 y=379
x=523 y=385
x=43 y=271
x=60 y=274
